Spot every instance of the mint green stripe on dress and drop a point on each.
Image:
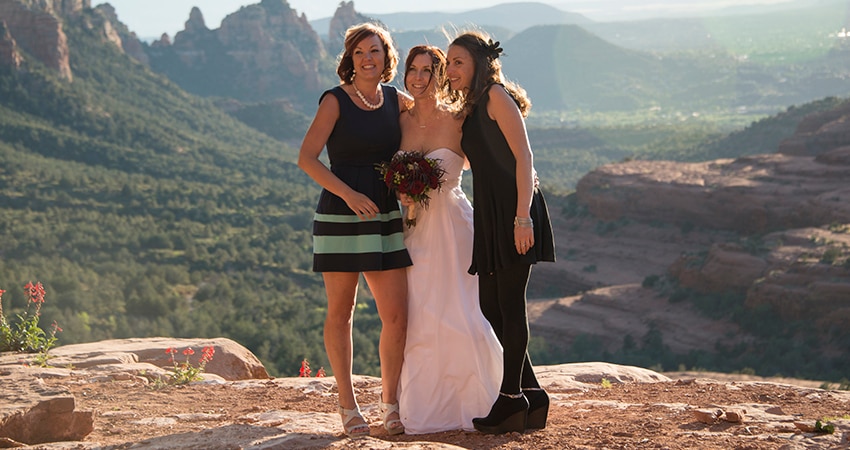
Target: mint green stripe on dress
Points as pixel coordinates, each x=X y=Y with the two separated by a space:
x=358 y=244
x=342 y=218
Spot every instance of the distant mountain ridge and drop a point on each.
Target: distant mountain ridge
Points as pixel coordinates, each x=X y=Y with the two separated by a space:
x=795 y=23
x=268 y=53
x=623 y=11
x=562 y=60
x=566 y=67
x=263 y=51
x=510 y=16
x=267 y=57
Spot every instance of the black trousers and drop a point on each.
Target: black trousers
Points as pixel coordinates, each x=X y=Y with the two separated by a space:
x=503 y=302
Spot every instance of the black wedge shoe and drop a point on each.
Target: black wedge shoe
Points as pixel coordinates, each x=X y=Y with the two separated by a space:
x=508 y=414
x=538 y=408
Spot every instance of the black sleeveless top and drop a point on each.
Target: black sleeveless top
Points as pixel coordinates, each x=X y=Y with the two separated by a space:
x=494 y=198
x=364 y=137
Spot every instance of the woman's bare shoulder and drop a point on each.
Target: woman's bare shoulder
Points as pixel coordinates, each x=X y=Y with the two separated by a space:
x=405 y=101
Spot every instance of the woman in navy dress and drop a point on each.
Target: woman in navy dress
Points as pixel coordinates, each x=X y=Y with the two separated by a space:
x=357 y=227
x=512 y=230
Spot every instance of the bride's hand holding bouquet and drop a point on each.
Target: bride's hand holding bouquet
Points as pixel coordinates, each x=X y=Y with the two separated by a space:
x=412 y=174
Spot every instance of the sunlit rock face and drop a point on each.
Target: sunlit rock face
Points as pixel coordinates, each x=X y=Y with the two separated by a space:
x=260 y=52
x=9 y=54
x=36 y=26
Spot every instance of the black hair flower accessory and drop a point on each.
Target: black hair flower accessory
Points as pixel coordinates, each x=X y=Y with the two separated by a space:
x=494 y=49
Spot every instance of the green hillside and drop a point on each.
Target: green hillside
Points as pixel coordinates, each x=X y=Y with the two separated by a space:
x=762 y=136
x=146 y=211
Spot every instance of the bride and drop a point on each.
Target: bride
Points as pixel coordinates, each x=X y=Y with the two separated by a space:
x=452 y=360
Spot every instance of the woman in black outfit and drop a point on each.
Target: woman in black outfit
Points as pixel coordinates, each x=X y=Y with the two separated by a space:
x=512 y=230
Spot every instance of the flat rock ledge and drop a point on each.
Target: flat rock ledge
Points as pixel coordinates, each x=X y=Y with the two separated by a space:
x=34 y=415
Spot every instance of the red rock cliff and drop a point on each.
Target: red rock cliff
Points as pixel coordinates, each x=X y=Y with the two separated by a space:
x=36 y=26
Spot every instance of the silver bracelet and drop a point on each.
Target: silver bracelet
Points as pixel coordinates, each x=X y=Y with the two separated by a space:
x=523 y=222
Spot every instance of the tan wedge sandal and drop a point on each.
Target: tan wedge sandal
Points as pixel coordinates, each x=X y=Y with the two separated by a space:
x=393 y=426
x=357 y=429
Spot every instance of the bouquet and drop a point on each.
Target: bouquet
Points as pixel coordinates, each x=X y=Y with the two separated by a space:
x=411 y=173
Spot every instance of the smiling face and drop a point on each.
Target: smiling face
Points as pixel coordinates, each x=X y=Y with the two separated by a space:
x=419 y=77
x=374 y=53
x=461 y=68
x=368 y=58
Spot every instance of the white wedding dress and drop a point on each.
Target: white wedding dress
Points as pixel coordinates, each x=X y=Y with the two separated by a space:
x=452 y=361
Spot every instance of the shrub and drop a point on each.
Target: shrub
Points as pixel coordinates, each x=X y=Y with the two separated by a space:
x=185 y=372
x=830 y=255
x=26 y=336
x=650 y=281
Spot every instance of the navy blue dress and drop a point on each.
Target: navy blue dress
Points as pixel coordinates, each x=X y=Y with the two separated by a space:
x=342 y=242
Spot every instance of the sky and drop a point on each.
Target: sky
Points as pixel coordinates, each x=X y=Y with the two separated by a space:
x=152 y=18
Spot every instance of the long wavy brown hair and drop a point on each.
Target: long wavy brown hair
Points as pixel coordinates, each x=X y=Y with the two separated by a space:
x=353 y=36
x=488 y=70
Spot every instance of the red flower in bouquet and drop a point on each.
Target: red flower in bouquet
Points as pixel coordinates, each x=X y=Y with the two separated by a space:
x=413 y=174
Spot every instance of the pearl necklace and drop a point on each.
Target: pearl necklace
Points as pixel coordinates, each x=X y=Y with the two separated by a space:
x=365 y=102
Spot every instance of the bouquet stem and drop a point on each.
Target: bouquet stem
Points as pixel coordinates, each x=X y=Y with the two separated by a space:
x=410 y=217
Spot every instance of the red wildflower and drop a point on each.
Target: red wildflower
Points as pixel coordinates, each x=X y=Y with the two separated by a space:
x=207 y=354
x=35 y=292
x=188 y=351
x=305 y=369
x=171 y=351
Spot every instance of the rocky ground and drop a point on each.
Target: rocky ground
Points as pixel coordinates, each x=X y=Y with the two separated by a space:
x=293 y=413
x=108 y=395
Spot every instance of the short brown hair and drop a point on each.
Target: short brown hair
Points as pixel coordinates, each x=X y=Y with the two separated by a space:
x=353 y=36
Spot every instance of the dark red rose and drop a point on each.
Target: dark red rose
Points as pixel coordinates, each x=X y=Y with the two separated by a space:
x=418 y=187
